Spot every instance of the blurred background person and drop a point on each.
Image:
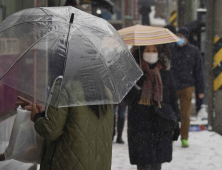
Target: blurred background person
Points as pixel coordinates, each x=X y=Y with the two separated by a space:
x=120 y=121
x=187 y=67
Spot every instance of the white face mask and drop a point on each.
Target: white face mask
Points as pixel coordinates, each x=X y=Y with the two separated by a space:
x=150 y=58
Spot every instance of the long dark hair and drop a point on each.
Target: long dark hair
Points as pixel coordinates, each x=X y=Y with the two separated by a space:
x=163 y=51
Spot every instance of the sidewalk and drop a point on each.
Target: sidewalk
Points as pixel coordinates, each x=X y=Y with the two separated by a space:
x=204 y=153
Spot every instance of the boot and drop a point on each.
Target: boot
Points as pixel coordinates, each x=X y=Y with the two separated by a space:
x=2 y=157
x=120 y=126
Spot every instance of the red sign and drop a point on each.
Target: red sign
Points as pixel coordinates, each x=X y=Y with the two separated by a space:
x=9 y=50
x=8 y=95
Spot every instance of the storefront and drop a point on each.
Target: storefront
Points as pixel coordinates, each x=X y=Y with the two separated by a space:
x=8 y=7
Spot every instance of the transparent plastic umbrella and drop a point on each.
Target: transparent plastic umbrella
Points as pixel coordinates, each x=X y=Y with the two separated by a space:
x=82 y=53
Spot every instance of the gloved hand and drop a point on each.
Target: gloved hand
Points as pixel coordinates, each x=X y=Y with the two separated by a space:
x=176 y=133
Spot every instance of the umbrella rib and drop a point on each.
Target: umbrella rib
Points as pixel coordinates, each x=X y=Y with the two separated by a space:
x=103 y=62
x=58 y=38
x=85 y=19
x=55 y=14
x=109 y=35
x=33 y=23
x=64 y=69
x=55 y=41
x=44 y=11
x=28 y=22
x=81 y=18
x=69 y=11
x=100 y=30
x=26 y=52
x=93 y=27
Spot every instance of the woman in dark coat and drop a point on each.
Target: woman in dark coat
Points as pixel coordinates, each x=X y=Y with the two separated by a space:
x=153 y=111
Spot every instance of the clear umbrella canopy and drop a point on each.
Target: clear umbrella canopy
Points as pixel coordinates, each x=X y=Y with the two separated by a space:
x=41 y=44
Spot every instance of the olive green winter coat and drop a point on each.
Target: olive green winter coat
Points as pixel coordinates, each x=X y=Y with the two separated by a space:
x=76 y=139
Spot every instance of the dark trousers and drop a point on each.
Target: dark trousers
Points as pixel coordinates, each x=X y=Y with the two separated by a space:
x=121 y=111
x=149 y=167
x=121 y=120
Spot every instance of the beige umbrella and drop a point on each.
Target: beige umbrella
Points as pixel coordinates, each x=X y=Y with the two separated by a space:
x=140 y=35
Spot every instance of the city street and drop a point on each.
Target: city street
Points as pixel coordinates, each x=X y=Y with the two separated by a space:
x=68 y=68
x=204 y=154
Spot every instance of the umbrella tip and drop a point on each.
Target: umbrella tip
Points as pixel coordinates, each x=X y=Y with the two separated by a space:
x=72 y=18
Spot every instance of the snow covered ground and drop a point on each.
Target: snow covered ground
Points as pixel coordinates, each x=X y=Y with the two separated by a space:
x=204 y=153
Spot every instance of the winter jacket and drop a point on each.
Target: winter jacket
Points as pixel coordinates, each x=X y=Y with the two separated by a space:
x=75 y=138
x=148 y=142
x=187 y=67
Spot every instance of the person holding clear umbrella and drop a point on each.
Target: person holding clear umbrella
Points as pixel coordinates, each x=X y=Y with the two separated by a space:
x=74 y=137
x=84 y=61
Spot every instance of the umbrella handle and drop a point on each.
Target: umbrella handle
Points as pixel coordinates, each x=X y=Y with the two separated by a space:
x=71 y=18
x=50 y=95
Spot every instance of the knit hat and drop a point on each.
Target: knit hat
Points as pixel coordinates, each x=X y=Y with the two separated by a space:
x=184 y=31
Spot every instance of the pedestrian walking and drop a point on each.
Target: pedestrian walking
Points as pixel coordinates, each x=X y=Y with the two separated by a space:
x=153 y=111
x=120 y=121
x=187 y=67
x=194 y=38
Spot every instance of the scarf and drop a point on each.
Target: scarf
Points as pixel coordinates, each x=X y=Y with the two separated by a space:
x=152 y=89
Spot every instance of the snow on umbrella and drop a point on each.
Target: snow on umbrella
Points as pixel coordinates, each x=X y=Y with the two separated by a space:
x=66 y=47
